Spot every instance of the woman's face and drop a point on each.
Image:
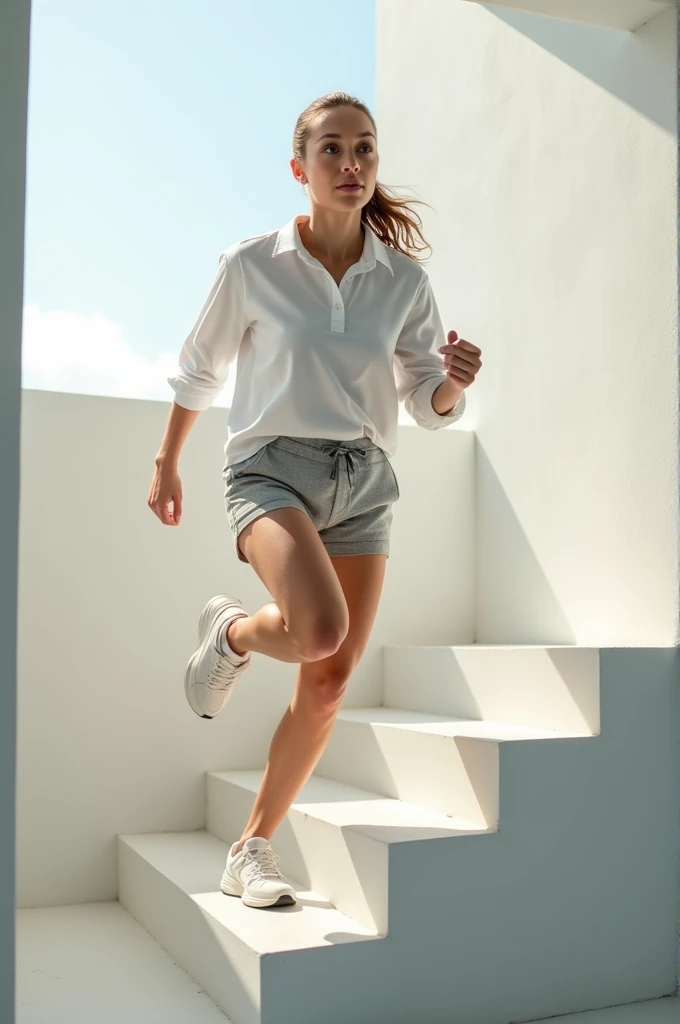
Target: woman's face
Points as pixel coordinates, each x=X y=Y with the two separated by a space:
x=351 y=153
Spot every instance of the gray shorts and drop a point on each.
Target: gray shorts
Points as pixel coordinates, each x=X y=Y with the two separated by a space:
x=347 y=488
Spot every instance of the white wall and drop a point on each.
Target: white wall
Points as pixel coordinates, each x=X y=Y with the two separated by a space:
x=627 y=15
x=14 y=52
x=549 y=152
x=109 y=601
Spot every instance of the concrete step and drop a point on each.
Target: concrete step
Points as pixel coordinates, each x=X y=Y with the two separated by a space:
x=555 y=687
x=170 y=883
x=446 y=764
x=566 y=906
x=336 y=838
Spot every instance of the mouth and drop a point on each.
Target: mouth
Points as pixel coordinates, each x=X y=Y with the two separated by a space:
x=350 y=188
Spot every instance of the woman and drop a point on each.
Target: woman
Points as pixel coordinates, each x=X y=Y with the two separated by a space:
x=333 y=321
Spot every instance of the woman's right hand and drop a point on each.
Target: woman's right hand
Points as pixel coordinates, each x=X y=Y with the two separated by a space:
x=166 y=489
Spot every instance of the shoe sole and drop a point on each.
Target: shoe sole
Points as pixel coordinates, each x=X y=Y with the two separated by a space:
x=286 y=900
x=204 y=623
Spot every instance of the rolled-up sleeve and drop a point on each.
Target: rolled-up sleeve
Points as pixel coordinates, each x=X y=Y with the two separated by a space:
x=417 y=363
x=214 y=340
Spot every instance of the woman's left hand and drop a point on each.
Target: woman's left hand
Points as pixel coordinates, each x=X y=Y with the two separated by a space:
x=461 y=360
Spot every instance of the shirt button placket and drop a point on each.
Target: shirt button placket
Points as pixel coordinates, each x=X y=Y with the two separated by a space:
x=338 y=317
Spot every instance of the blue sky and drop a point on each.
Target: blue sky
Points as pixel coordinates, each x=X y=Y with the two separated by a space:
x=159 y=133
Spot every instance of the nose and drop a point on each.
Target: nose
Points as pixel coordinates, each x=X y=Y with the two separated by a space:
x=352 y=165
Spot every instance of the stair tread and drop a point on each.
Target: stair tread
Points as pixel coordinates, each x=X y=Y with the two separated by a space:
x=362 y=810
x=194 y=861
x=489 y=647
x=444 y=725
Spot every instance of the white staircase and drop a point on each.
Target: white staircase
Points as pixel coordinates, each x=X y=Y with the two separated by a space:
x=475 y=851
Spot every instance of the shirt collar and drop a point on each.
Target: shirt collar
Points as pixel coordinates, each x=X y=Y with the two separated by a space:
x=288 y=239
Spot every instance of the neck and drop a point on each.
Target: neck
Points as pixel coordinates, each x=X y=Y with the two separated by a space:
x=336 y=236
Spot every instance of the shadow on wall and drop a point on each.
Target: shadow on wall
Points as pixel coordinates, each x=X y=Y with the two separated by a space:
x=626 y=64
x=516 y=601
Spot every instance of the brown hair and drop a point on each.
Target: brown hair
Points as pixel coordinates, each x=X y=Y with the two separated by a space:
x=386 y=215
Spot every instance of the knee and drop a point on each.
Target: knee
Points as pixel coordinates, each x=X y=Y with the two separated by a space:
x=320 y=638
x=325 y=685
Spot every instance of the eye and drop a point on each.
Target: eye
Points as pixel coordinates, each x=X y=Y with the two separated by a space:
x=364 y=144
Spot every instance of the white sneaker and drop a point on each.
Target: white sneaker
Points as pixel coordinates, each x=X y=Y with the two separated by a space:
x=253 y=874
x=210 y=676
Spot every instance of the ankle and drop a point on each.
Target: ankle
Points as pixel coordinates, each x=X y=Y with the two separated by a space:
x=244 y=839
x=233 y=640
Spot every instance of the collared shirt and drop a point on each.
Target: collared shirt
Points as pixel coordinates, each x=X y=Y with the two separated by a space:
x=314 y=359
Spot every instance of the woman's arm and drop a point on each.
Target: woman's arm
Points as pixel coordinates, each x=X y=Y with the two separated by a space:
x=445 y=397
x=419 y=370
x=213 y=342
x=180 y=422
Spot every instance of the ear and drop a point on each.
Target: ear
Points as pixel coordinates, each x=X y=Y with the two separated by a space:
x=297 y=172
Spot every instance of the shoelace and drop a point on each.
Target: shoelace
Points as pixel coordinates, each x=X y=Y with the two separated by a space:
x=222 y=673
x=262 y=863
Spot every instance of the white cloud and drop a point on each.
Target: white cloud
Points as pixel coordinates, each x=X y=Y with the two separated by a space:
x=64 y=351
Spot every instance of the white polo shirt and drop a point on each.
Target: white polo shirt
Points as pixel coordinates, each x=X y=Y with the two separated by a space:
x=314 y=359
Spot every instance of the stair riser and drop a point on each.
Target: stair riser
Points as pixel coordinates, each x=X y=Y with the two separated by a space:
x=456 y=776
x=544 y=688
x=227 y=970
x=349 y=868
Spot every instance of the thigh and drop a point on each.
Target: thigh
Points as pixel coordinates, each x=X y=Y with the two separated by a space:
x=285 y=550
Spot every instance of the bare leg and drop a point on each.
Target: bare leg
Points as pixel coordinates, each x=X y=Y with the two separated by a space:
x=264 y=632
x=306 y=726
x=309 y=618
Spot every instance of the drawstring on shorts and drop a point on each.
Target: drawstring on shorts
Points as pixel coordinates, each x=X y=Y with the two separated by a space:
x=336 y=450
